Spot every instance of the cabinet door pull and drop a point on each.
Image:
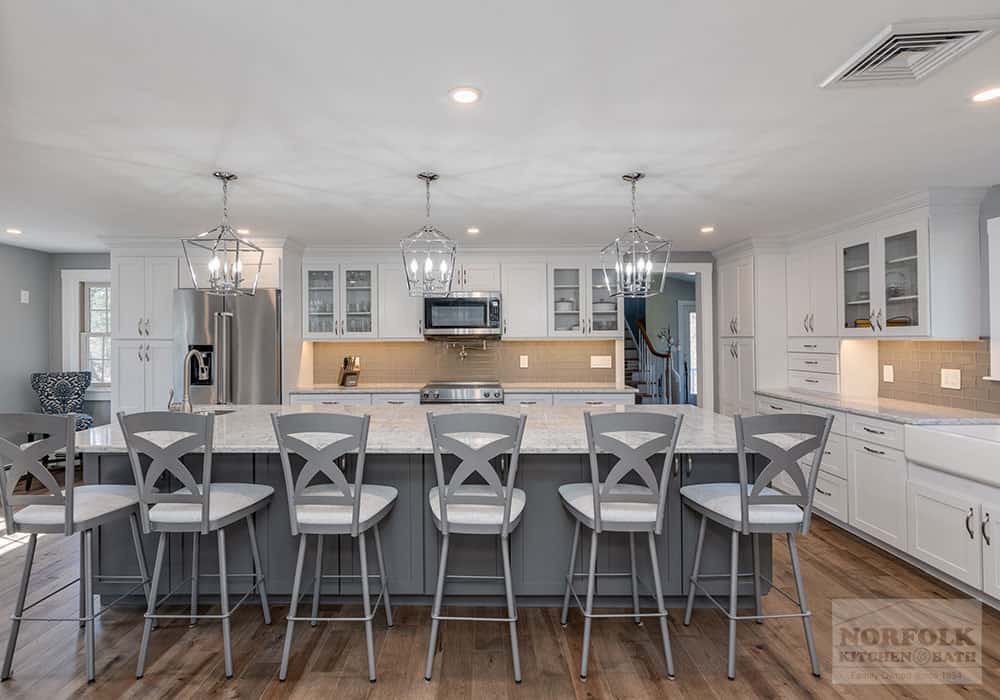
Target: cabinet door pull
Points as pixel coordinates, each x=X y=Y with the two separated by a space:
x=968 y=524
x=505 y=326
x=986 y=535
x=595 y=403
x=329 y=403
x=147 y=352
x=825 y=493
x=776 y=408
x=396 y=403
x=677 y=466
x=805 y=325
x=812 y=381
x=878 y=319
x=872 y=430
x=873 y=451
x=810 y=362
x=690 y=467
x=809 y=345
x=149 y=324
x=139 y=353
x=527 y=403
x=812 y=328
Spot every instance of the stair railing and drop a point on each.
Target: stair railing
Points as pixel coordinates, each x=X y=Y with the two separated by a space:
x=655 y=367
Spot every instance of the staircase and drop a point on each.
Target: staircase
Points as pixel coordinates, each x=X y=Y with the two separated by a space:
x=635 y=375
x=645 y=370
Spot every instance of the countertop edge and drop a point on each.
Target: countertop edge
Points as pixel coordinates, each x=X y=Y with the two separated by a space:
x=511 y=388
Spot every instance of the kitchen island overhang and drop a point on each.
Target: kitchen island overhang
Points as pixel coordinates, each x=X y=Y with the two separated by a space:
x=554 y=452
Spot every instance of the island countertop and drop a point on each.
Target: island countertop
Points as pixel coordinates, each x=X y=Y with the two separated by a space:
x=403 y=429
x=509 y=387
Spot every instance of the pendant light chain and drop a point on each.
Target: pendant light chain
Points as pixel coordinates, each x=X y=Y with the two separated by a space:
x=634 y=215
x=427 y=184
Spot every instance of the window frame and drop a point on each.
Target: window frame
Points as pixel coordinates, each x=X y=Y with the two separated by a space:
x=86 y=334
x=71 y=317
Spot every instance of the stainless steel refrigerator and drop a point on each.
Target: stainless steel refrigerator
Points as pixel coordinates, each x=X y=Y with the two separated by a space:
x=241 y=339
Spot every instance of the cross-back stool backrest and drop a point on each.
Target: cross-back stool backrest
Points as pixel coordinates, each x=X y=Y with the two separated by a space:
x=338 y=435
x=163 y=438
x=656 y=434
x=814 y=431
x=502 y=435
x=17 y=461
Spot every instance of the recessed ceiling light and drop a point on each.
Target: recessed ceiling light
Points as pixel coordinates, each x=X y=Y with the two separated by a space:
x=472 y=231
x=708 y=229
x=465 y=95
x=243 y=231
x=987 y=95
x=14 y=231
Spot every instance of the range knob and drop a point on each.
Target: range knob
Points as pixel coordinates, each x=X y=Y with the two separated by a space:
x=437 y=394
x=496 y=394
x=426 y=395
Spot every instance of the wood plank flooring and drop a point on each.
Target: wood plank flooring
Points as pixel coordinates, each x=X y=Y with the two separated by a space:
x=329 y=660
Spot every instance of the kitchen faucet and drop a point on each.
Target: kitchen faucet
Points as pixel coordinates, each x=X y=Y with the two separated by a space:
x=202 y=374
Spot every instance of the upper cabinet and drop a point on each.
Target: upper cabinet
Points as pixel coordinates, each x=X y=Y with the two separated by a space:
x=523 y=285
x=400 y=316
x=339 y=301
x=142 y=290
x=477 y=277
x=812 y=285
x=579 y=302
x=736 y=292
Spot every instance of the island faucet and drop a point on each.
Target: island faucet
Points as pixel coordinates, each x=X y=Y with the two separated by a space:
x=202 y=374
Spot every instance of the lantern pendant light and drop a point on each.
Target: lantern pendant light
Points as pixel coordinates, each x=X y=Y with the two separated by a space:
x=634 y=258
x=230 y=257
x=428 y=254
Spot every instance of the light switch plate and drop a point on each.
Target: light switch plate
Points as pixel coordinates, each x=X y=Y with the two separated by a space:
x=951 y=379
x=887 y=374
x=25 y=296
x=524 y=362
x=600 y=362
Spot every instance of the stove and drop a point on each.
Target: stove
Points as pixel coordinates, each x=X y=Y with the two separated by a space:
x=462 y=392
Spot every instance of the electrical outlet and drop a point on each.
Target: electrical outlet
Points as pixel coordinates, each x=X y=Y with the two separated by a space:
x=887 y=374
x=951 y=379
x=600 y=362
x=524 y=362
x=25 y=296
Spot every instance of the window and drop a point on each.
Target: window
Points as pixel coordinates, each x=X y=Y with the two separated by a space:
x=95 y=331
x=693 y=359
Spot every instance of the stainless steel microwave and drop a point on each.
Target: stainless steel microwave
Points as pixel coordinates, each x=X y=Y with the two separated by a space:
x=463 y=314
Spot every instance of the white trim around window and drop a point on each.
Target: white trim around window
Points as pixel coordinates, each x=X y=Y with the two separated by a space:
x=71 y=281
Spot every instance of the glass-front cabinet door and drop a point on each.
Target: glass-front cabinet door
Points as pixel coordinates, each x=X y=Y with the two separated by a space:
x=567 y=300
x=605 y=310
x=320 y=303
x=358 y=301
x=857 y=311
x=904 y=266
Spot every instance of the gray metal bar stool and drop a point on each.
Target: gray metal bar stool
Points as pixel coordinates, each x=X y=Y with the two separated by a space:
x=492 y=508
x=755 y=508
x=335 y=508
x=633 y=438
x=156 y=442
x=72 y=509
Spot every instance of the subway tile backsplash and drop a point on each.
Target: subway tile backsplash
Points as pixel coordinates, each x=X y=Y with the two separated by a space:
x=548 y=361
x=917 y=366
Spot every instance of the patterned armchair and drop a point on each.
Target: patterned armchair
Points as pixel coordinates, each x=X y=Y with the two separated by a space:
x=62 y=393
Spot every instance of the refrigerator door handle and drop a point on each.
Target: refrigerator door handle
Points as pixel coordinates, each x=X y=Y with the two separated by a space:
x=223 y=356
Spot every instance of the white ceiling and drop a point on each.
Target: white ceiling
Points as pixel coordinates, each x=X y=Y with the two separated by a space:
x=113 y=115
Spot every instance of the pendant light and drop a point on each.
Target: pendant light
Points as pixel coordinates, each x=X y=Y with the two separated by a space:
x=428 y=254
x=230 y=257
x=631 y=260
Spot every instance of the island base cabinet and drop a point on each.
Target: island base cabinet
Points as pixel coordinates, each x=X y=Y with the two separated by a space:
x=876 y=485
x=944 y=531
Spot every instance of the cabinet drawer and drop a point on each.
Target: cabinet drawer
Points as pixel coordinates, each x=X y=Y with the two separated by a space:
x=824 y=345
x=528 y=399
x=814 y=362
x=831 y=496
x=834 y=460
x=331 y=399
x=768 y=406
x=880 y=432
x=592 y=399
x=813 y=381
x=839 y=418
x=396 y=399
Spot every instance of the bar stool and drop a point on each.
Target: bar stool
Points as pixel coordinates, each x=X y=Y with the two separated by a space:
x=493 y=508
x=156 y=442
x=617 y=506
x=755 y=508
x=70 y=510
x=336 y=508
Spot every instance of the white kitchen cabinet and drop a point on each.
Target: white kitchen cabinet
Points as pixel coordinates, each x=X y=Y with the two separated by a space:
x=944 y=531
x=142 y=291
x=408 y=399
x=339 y=302
x=736 y=298
x=331 y=399
x=736 y=376
x=523 y=294
x=831 y=496
x=527 y=399
x=876 y=479
x=593 y=399
x=143 y=375
x=580 y=304
x=477 y=277
x=812 y=284
x=989 y=529
x=400 y=316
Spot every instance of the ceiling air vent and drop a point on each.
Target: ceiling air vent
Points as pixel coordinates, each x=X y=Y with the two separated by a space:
x=910 y=51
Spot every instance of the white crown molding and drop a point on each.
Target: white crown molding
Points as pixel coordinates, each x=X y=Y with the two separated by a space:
x=164 y=241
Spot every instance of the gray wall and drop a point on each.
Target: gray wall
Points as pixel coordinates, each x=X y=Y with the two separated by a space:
x=661 y=310
x=989 y=209
x=25 y=327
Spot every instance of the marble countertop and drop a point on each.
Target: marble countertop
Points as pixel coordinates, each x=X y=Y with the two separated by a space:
x=403 y=429
x=510 y=387
x=907 y=412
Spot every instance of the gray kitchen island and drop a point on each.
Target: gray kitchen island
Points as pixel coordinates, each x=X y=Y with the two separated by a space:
x=554 y=452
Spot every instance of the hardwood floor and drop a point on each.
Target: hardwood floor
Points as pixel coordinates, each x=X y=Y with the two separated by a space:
x=328 y=660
